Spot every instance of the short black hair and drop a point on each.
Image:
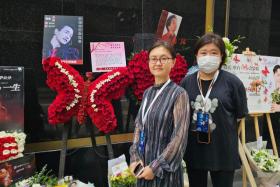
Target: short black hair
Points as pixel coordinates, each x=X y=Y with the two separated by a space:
x=166 y=45
x=215 y=39
x=275 y=68
x=59 y=27
x=168 y=21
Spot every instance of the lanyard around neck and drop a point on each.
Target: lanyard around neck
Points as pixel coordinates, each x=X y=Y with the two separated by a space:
x=144 y=114
x=209 y=88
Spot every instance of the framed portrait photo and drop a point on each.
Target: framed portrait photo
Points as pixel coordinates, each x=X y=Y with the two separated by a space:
x=63 y=38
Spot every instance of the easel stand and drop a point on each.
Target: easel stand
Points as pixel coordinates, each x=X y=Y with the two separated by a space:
x=241 y=130
x=93 y=141
x=63 y=151
x=66 y=130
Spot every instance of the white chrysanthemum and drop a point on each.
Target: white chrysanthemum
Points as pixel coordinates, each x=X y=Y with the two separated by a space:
x=23 y=183
x=213 y=126
x=212 y=110
x=197 y=106
x=226 y=40
x=198 y=98
x=207 y=105
x=192 y=103
x=215 y=102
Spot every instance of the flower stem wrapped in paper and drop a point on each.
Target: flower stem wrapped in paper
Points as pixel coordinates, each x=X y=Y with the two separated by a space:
x=264 y=163
x=119 y=175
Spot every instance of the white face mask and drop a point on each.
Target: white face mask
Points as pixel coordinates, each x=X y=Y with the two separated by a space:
x=208 y=64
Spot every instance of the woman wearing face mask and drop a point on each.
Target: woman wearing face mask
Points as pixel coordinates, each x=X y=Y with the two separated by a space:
x=218 y=100
x=59 y=45
x=161 y=125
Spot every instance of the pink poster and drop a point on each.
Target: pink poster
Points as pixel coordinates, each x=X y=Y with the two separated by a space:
x=106 y=56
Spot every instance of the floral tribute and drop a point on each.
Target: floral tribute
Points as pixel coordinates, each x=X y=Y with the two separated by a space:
x=123 y=179
x=77 y=97
x=139 y=68
x=65 y=80
x=231 y=46
x=266 y=161
x=11 y=145
x=108 y=86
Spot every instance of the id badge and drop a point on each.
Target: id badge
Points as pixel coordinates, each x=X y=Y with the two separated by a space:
x=202 y=122
x=202 y=128
x=141 y=142
x=204 y=138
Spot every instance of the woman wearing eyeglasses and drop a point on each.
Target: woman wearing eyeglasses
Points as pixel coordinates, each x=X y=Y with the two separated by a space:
x=218 y=100
x=161 y=125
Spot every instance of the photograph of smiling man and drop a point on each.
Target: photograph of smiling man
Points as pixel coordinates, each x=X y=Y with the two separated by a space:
x=63 y=38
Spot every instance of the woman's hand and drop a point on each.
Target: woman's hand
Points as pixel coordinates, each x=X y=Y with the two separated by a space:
x=133 y=165
x=147 y=174
x=275 y=107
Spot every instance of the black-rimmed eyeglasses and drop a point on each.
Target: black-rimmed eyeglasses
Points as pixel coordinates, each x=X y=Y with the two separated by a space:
x=162 y=60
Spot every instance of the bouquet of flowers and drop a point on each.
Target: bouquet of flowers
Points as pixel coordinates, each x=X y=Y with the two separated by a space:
x=123 y=179
x=276 y=96
x=266 y=165
x=119 y=175
x=231 y=46
x=265 y=160
x=44 y=178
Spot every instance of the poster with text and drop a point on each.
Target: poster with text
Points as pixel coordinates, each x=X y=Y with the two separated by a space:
x=16 y=170
x=106 y=56
x=270 y=72
x=63 y=38
x=11 y=98
x=261 y=78
x=168 y=26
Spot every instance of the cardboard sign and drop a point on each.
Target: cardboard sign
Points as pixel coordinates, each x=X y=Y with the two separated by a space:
x=11 y=98
x=260 y=76
x=63 y=38
x=168 y=26
x=106 y=56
